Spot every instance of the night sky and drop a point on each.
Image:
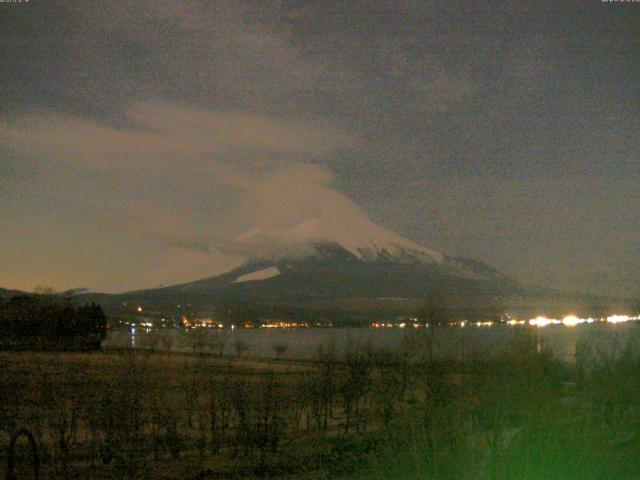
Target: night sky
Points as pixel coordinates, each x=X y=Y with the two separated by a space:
x=138 y=138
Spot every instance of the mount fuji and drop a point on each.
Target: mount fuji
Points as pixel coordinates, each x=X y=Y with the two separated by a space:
x=337 y=261
x=306 y=247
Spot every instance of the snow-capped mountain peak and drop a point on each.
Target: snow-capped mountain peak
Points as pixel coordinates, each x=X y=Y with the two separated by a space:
x=356 y=234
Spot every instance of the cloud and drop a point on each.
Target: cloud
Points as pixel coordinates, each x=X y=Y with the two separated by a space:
x=201 y=52
x=288 y=196
x=211 y=132
x=188 y=248
x=163 y=132
x=171 y=186
x=178 y=265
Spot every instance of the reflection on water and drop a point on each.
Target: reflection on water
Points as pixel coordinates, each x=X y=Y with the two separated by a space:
x=450 y=342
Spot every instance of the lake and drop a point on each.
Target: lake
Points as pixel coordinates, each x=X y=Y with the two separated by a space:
x=449 y=342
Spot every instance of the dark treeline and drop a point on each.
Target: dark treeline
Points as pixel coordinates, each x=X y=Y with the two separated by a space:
x=48 y=322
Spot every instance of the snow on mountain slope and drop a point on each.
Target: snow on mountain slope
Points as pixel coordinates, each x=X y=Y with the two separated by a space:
x=258 y=275
x=285 y=214
x=356 y=234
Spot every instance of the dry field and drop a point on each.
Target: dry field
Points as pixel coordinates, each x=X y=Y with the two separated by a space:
x=373 y=415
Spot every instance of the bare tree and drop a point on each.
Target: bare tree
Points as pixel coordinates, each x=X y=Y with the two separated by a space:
x=197 y=339
x=218 y=342
x=44 y=290
x=354 y=384
x=166 y=341
x=279 y=348
x=240 y=346
x=434 y=315
x=151 y=339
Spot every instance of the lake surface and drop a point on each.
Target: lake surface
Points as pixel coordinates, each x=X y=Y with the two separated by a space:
x=601 y=339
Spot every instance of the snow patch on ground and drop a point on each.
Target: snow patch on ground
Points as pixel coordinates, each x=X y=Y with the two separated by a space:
x=258 y=275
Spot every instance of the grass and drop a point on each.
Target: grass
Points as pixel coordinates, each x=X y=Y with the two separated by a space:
x=519 y=415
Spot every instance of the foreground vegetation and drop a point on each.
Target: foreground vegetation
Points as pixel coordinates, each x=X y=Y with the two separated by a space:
x=374 y=415
x=49 y=322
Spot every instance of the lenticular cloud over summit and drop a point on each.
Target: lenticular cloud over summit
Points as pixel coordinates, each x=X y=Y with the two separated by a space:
x=293 y=209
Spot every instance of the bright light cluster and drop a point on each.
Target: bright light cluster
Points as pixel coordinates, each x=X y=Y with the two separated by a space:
x=542 y=321
x=621 y=318
x=280 y=324
x=484 y=324
x=516 y=322
x=572 y=320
